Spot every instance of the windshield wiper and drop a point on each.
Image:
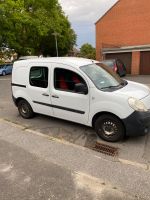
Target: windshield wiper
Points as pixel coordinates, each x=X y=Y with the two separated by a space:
x=111 y=86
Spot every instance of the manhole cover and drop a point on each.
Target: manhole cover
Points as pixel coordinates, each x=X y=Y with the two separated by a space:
x=105 y=149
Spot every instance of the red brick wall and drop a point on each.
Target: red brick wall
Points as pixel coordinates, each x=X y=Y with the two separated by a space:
x=127 y=23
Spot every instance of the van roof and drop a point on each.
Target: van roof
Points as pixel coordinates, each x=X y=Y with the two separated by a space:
x=73 y=61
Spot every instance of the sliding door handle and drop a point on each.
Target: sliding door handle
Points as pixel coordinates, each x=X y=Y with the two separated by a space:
x=45 y=94
x=55 y=96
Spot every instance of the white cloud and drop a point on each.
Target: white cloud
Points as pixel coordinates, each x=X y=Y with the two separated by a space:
x=83 y=14
x=85 y=10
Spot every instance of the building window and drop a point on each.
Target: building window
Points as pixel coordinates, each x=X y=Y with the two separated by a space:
x=39 y=77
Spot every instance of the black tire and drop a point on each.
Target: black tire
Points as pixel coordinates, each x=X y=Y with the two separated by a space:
x=25 y=109
x=109 y=128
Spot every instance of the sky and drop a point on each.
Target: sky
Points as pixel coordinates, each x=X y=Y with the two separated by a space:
x=83 y=14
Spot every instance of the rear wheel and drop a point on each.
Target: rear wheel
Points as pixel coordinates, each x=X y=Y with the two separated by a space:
x=109 y=128
x=25 y=109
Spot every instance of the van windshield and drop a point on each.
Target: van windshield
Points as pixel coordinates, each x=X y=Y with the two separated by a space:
x=102 y=76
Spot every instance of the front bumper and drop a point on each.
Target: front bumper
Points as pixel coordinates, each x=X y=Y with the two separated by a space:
x=138 y=123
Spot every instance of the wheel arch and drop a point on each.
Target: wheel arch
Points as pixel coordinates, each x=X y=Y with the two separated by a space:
x=19 y=99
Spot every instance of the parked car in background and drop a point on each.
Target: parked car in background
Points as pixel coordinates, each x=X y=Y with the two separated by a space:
x=6 y=69
x=117 y=65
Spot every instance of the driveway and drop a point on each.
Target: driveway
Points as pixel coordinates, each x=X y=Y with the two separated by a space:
x=145 y=79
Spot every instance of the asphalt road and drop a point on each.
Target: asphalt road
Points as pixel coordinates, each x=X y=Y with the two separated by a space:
x=54 y=161
x=34 y=167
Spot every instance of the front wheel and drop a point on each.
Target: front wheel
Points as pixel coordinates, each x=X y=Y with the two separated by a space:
x=109 y=128
x=25 y=109
x=3 y=73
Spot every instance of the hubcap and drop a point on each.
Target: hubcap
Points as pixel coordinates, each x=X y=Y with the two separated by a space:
x=24 y=109
x=109 y=128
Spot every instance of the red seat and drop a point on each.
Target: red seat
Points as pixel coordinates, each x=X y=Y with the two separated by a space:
x=62 y=83
x=76 y=79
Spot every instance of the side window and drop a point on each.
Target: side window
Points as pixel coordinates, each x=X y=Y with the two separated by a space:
x=65 y=80
x=39 y=77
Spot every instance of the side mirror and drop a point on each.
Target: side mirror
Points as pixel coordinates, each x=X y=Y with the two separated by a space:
x=81 y=88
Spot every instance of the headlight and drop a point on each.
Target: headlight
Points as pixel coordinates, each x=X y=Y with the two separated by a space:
x=137 y=104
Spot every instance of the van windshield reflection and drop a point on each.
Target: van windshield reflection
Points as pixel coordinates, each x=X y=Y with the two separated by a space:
x=102 y=76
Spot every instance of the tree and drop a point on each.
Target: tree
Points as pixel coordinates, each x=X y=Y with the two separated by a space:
x=27 y=27
x=87 y=51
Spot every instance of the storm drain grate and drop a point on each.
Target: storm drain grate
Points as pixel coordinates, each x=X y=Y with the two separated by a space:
x=106 y=149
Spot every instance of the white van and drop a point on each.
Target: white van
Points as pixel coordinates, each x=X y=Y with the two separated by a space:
x=82 y=91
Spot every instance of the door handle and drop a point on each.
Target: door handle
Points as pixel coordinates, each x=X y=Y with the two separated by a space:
x=55 y=96
x=45 y=94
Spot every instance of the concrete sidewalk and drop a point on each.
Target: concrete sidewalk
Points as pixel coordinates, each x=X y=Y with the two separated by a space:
x=35 y=166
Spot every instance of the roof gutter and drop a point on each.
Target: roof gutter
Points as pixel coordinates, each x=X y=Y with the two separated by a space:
x=126 y=49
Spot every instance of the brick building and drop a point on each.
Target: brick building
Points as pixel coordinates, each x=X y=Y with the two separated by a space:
x=124 y=32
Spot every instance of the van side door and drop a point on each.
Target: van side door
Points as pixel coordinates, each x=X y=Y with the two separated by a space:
x=39 y=88
x=67 y=103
